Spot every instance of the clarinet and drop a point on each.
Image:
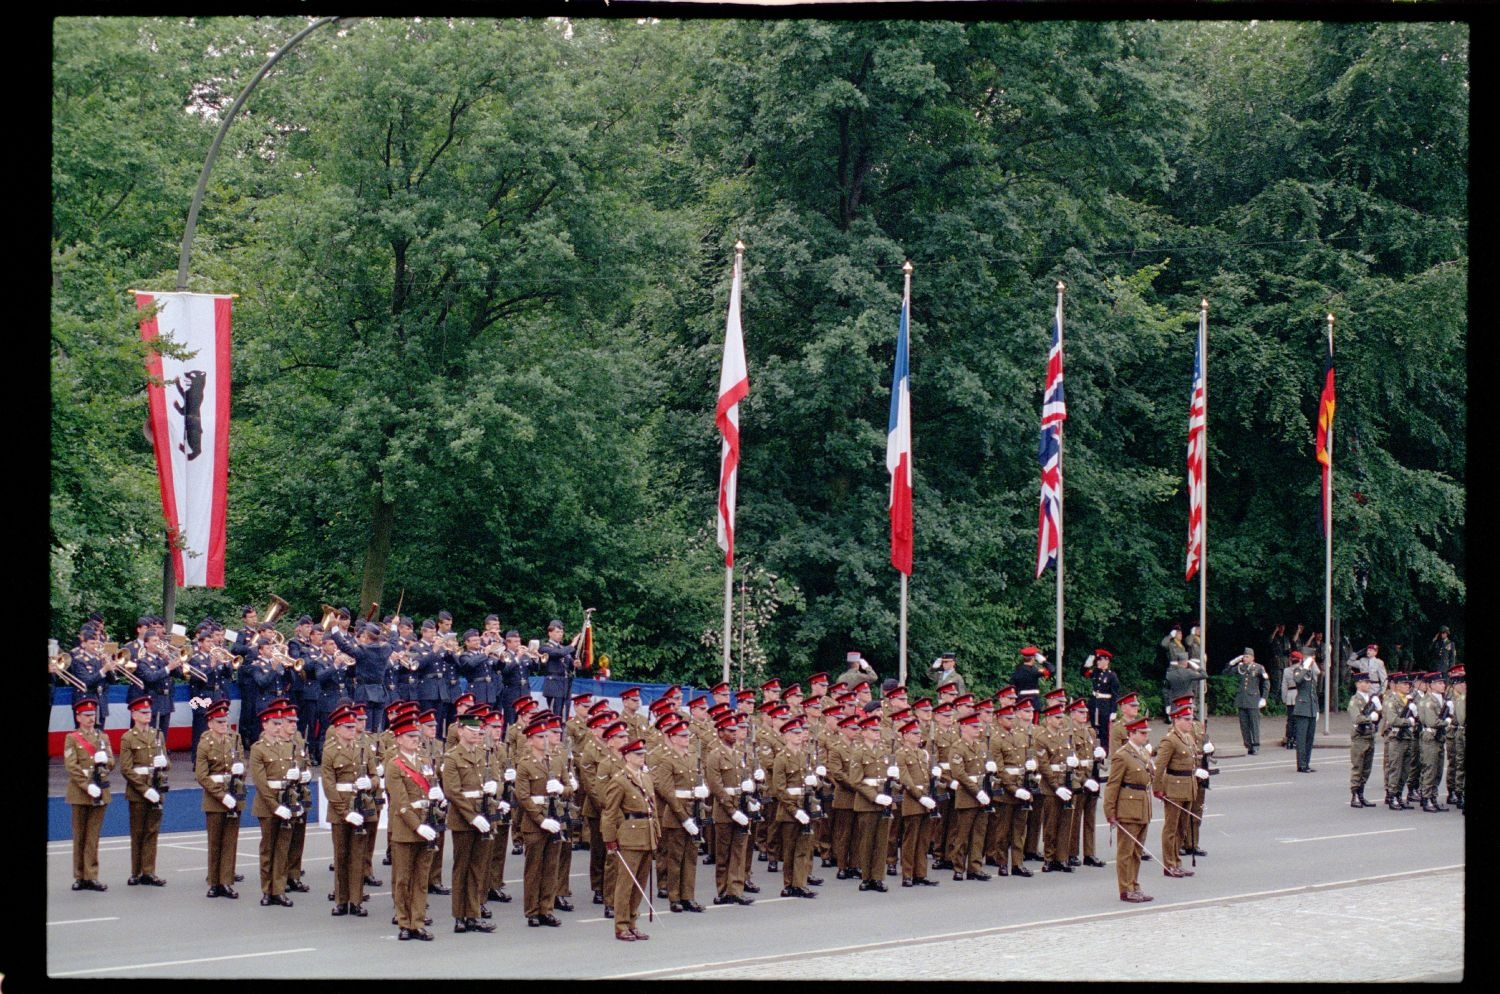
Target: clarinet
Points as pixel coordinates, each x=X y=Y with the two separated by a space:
x=158 y=773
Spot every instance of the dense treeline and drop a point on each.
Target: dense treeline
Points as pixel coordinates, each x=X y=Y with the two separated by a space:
x=484 y=266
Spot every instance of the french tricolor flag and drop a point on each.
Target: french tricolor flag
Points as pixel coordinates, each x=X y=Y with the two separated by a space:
x=898 y=446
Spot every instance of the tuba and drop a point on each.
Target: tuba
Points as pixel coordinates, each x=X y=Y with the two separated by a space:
x=277 y=608
x=330 y=614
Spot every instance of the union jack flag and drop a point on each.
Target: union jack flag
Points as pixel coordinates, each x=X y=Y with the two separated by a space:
x=1054 y=413
x=1197 y=421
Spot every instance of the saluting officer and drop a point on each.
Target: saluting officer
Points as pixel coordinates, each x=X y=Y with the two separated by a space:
x=1252 y=683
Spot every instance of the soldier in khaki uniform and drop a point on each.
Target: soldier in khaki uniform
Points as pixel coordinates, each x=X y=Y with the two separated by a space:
x=88 y=760
x=302 y=763
x=596 y=765
x=560 y=758
x=823 y=729
x=966 y=775
x=433 y=750
x=766 y=744
x=793 y=784
x=630 y=832
x=270 y=761
x=1129 y=711
x=1084 y=782
x=678 y=792
x=219 y=768
x=871 y=776
x=1127 y=805
x=1175 y=783
x=1364 y=717
x=918 y=776
x=1006 y=834
x=143 y=761
x=841 y=832
x=943 y=738
x=466 y=785
x=412 y=790
x=728 y=775
x=1435 y=721
x=346 y=774
x=1055 y=760
x=499 y=770
x=539 y=792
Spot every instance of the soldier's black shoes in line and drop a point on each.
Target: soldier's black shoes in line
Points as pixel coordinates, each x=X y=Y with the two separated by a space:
x=598 y=897
x=219 y=890
x=661 y=893
x=1091 y=861
x=562 y=904
x=89 y=885
x=515 y=850
x=841 y=875
x=1134 y=896
x=734 y=899
x=374 y=882
x=943 y=864
x=692 y=906
x=609 y=912
x=147 y=880
x=906 y=881
x=439 y=889
x=1194 y=851
x=751 y=888
x=339 y=910
x=708 y=860
x=132 y=881
x=461 y=925
x=385 y=860
x=890 y=871
x=1020 y=871
x=1074 y=861
x=1033 y=857
x=270 y=900
x=239 y=878
x=414 y=933
x=814 y=881
x=1146 y=857
x=1175 y=871
x=297 y=886
x=773 y=867
x=801 y=892
x=496 y=894
x=872 y=885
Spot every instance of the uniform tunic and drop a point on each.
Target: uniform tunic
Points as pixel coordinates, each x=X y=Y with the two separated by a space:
x=138 y=751
x=628 y=822
x=214 y=763
x=79 y=760
x=1127 y=801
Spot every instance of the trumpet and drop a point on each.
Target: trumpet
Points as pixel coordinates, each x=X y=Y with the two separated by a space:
x=277 y=609
x=188 y=669
x=404 y=659
x=58 y=664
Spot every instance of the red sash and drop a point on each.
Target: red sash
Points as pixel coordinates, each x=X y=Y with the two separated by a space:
x=420 y=780
x=87 y=745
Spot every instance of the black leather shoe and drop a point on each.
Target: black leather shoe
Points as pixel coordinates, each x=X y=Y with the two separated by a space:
x=239 y=878
x=661 y=893
x=440 y=890
x=485 y=912
x=460 y=925
x=773 y=867
x=132 y=881
x=675 y=907
x=1003 y=871
x=1091 y=861
x=723 y=899
x=804 y=892
x=1175 y=871
x=502 y=897
x=385 y=860
x=534 y=922
x=475 y=925
x=229 y=892
x=562 y=904
x=598 y=897
x=374 y=882
x=609 y=912
x=296 y=885
x=709 y=860
x=692 y=906
x=404 y=934
x=80 y=885
x=213 y=890
x=830 y=862
x=266 y=901
x=515 y=850
x=844 y=875
x=906 y=881
x=426 y=921
x=873 y=885
x=751 y=888
x=785 y=892
x=98 y=885
x=421 y=933
x=1033 y=857
x=891 y=871
x=942 y=864
x=761 y=857
x=339 y=910
x=1020 y=871
x=550 y=921
x=1051 y=866
x=330 y=867
x=331 y=895
x=1146 y=857
x=358 y=911
x=1074 y=861
x=1253 y=750
x=742 y=899
x=814 y=881
x=1197 y=852
x=979 y=875
x=958 y=876
x=924 y=882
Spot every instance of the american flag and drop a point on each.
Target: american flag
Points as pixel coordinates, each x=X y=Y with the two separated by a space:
x=1197 y=421
x=1054 y=413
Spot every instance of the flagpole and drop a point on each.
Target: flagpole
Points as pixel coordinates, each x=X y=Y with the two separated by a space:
x=1328 y=561
x=1203 y=511
x=901 y=677
x=1058 y=641
x=728 y=615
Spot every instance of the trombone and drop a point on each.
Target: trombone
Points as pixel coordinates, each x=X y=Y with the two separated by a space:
x=124 y=666
x=58 y=664
x=188 y=670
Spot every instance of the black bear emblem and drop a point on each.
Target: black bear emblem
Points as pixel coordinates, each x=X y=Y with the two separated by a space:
x=191 y=411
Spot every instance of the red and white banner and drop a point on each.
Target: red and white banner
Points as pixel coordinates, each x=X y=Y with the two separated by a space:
x=734 y=386
x=189 y=426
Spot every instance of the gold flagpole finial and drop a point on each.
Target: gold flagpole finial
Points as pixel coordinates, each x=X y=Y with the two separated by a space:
x=739 y=246
x=1203 y=304
x=1061 y=286
x=906 y=268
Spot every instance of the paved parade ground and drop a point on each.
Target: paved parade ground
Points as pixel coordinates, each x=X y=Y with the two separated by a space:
x=1297 y=886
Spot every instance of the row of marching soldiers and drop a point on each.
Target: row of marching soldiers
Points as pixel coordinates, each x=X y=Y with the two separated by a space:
x=875 y=790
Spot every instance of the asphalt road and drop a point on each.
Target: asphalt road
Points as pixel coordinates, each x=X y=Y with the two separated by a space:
x=1296 y=886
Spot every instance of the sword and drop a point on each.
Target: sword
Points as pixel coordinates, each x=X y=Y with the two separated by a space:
x=1196 y=818
x=1137 y=841
x=650 y=908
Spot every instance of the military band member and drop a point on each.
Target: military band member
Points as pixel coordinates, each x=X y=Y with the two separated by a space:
x=155 y=671
x=1127 y=806
x=219 y=768
x=88 y=665
x=466 y=783
x=1398 y=729
x=88 y=760
x=143 y=761
x=539 y=792
x=1084 y=782
x=1364 y=715
x=411 y=791
x=728 y=777
x=679 y=793
x=272 y=770
x=212 y=671
x=630 y=831
x=1175 y=783
x=918 y=774
x=347 y=774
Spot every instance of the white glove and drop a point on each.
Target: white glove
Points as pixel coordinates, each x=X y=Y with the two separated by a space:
x=1091 y=785
x=292 y=773
x=1031 y=766
x=481 y=823
x=1150 y=748
x=1208 y=748
x=283 y=812
x=982 y=797
x=689 y=826
x=740 y=819
x=1071 y=761
x=510 y=776
x=760 y=775
x=1193 y=664
x=952 y=784
x=229 y=801
x=355 y=818
x=1098 y=752
x=927 y=803
x=361 y=782
x=884 y=800
x=1064 y=794
x=572 y=782
x=101 y=757
x=821 y=770
x=810 y=780
x=1262 y=703
x=801 y=816
x=306 y=776
x=152 y=795
x=490 y=787
x=427 y=832
x=753 y=804
x=700 y=791
x=936 y=771
x=505 y=807
x=434 y=793
x=1041 y=660
x=747 y=785
x=380 y=769
x=159 y=761
x=554 y=786
x=892 y=771
x=1201 y=773
x=989 y=766
x=381 y=782
x=94 y=790
x=1022 y=794
x=238 y=769
x=1307 y=664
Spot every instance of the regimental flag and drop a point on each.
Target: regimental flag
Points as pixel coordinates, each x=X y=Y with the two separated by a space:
x=898 y=445
x=734 y=385
x=1197 y=422
x=188 y=401
x=1326 y=404
x=1054 y=413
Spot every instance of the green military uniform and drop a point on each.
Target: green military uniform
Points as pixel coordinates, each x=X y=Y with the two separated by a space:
x=1364 y=716
x=139 y=749
x=1398 y=731
x=630 y=831
x=81 y=760
x=1433 y=718
x=1457 y=736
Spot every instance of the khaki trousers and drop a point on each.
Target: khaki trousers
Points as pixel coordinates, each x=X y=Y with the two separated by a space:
x=795 y=845
x=223 y=847
x=916 y=834
x=88 y=819
x=1128 y=857
x=410 y=865
x=963 y=848
x=349 y=852
x=471 y=863
x=677 y=860
x=871 y=836
x=275 y=841
x=731 y=858
x=539 y=889
x=627 y=894
x=145 y=826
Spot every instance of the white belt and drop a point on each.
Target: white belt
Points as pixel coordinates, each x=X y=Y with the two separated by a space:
x=943 y=766
x=274 y=784
x=1012 y=770
x=794 y=791
x=420 y=804
x=538 y=798
x=871 y=781
x=682 y=793
x=731 y=791
x=218 y=777
x=344 y=788
x=1105 y=697
x=471 y=793
x=972 y=779
x=142 y=769
x=1055 y=767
